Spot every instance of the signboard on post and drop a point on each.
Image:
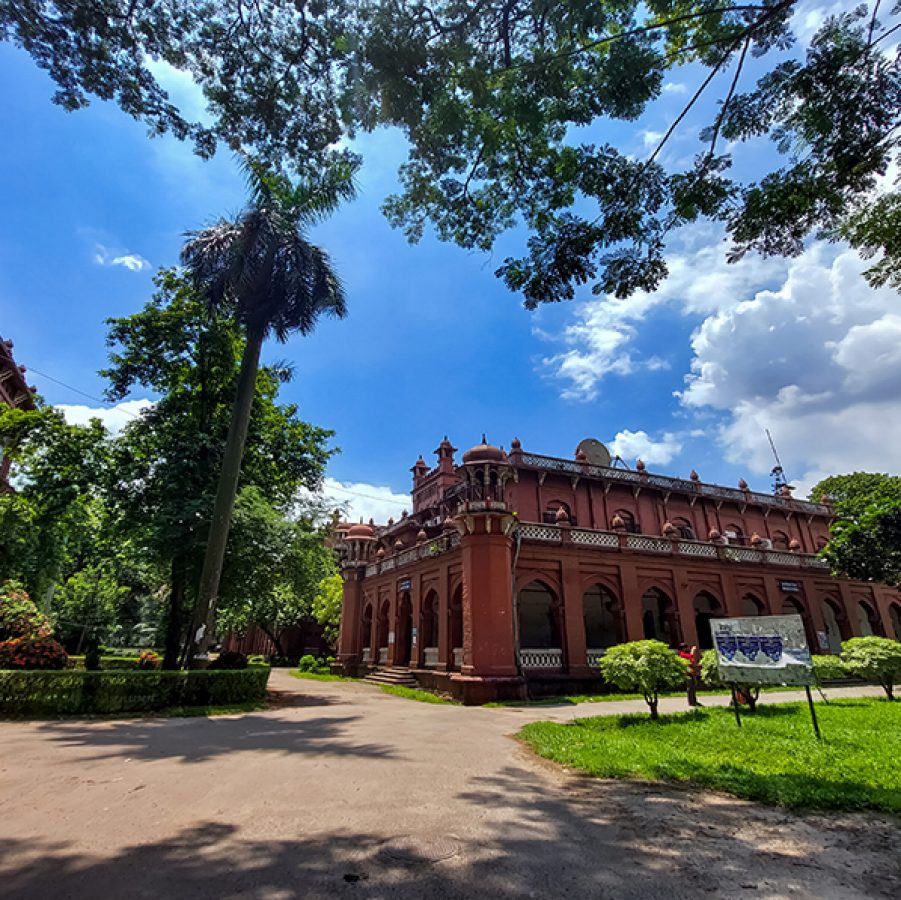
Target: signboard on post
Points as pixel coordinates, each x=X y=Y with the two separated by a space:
x=762 y=650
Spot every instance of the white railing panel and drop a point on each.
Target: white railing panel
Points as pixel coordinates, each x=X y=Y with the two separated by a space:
x=649 y=544
x=430 y=657
x=594 y=538
x=367 y=654
x=779 y=558
x=531 y=532
x=541 y=658
x=383 y=654
x=594 y=658
x=694 y=548
x=743 y=554
x=458 y=657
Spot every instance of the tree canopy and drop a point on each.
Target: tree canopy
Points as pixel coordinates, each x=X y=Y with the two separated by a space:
x=512 y=111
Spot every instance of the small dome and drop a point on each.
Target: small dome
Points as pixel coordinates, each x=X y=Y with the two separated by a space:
x=639 y=464
x=617 y=523
x=561 y=515
x=743 y=484
x=669 y=529
x=361 y=532
x=581 y=455
x=448 y=524
x=398 y=544
x=515 y=444
x=694 y=476
x=421 y=536
x=714 y=535
x=380 y=554
x=484 y=453
x=794 y=544
x=756 y=540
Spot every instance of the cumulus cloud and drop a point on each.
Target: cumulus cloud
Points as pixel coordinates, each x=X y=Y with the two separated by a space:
x=358 y=500
x=131 y=261
x=633 y=445
x=674 y=87
x=114 y=418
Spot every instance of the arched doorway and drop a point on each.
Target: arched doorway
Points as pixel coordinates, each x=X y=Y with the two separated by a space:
x=706 y=607
x=429 y=629
x=603 y=620
x=894 y=614
x=868 y=619
x=750 y=605
x=403 y=632
x=540 y=628
x=455 y=629
x=659 y=618
x=836 y=623
x=381 y=632
x=794 y=606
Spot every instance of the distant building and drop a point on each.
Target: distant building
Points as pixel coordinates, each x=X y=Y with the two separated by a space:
x=15 y=392
x=516 y=568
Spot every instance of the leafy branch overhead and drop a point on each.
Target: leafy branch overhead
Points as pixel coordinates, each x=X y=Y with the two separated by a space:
x=512 y=109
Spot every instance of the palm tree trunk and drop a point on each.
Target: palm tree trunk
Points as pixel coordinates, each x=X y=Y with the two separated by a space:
x=225 y=497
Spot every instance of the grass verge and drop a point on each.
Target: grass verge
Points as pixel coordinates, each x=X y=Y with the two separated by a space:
x=398 y=690
x=320 y=676
x=571 y=699
x=170 y=712
x=773 y=758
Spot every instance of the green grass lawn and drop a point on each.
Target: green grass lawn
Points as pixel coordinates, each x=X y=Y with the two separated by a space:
x=774 y=757
x=320 y=676
x=569 y=699
x=398 y=690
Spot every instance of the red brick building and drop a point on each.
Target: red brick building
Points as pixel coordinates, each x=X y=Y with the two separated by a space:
x=519 y=568
x=14 y=391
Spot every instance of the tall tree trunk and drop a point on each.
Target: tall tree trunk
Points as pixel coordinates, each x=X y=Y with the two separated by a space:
x=225 y=498
x=175 y=613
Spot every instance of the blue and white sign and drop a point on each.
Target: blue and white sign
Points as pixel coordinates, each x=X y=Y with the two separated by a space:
x=762 y=650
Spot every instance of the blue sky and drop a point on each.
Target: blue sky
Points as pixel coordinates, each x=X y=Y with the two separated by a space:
x=434 y=343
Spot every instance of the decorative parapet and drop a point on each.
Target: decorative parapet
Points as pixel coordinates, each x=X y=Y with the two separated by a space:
x=541 y=659
x=642 y=543
x=425 y=550
x=667 y=483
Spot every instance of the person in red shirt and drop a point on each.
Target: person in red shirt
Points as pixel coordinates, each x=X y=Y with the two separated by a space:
x=693 y=656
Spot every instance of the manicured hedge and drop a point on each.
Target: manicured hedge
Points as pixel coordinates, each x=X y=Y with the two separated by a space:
x=72 y=692
x=107 y=663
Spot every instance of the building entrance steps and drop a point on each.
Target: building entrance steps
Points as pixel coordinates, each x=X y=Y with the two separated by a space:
x=398 y=675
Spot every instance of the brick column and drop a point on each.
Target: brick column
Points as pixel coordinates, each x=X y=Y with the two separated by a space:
x=351 y=615
x=575 y=650
x=632 y=602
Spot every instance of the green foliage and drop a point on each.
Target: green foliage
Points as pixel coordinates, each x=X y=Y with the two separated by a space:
x=312 y=664
x=327 y=606
x=32 y=653
x=19 y=617
x=399 y=690
x=829 y=668
x=852 y=495
x=773 y=758
x=148 y=660
x=86 y=606
x=647 y=667
x=876 y=659
x=77 y=692
x=230 y=659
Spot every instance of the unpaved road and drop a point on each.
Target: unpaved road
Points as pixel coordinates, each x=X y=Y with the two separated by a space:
x=347 y=792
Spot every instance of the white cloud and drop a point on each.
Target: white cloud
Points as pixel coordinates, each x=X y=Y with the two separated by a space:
x=131 y=261
x=114 y=418
x=674 y=87
x=650 y=138
x=633 y=445
x=367 y=501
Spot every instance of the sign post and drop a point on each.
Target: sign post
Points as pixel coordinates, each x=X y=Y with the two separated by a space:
x=764 y=650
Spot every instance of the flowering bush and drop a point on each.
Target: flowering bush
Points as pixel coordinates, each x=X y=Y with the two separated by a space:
x=19 y=617
x=32 y=653
x=148 y=660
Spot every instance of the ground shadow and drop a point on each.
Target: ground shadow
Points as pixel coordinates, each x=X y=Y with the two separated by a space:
x=199 y=739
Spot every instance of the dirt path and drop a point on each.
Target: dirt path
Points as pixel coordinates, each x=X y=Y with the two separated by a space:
x=353 y=793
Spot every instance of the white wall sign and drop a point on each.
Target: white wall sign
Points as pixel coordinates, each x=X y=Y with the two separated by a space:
x=762 y=650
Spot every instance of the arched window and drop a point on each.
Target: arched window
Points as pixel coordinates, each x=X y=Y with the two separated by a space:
x=455 y=629
x=793 y=606
x=539 y=625
x=382 y=626
x=603 y=623
x=629 y=522
x=683 y=526
x=780 y=540
x=403 y=632
x=552 y=512
x=659 y=618
x=430 y=620
x=366 y=634
x=894 y=614
x=868 y=619
x=706 y=607
x=836 y=623
x=752 y=606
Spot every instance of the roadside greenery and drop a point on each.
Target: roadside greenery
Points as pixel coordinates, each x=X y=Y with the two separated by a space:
x=399 y=690
x=773 y=758
x=647 y=667
x=876 y=659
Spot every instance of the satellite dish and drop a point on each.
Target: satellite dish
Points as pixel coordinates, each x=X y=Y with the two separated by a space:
x=597 y=453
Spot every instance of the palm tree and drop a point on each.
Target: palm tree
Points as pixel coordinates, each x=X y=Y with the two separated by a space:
x=261 y=269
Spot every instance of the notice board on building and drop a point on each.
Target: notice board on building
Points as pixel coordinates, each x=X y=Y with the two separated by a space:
x=762 y=650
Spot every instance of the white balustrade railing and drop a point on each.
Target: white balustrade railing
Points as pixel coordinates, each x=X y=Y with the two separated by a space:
x=594 y=538
x=814 y=562
x=383 y=654
x=430 y=657
x=367 y=654
x=530 y=532
x=649 y=544
x=532 y=658
x=695 y=548
x=594 y=658
x=458 y=657
x=742 y=554
x=779 y=558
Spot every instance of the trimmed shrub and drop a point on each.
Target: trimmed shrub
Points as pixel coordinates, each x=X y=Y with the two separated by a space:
x=230 y=659
x=74 y=692
x=32 y=653
x=829 y=668
x=876 y=659
x=19 y=617
x=710 y=675
x=646 y=667
x=308 y=663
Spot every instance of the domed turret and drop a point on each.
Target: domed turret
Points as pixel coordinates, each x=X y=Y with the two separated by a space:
x=617 y=523
x=669 y=530
x=714 y=536
x=562 y=516
x=794 y=545
x=421 y=536
x=361 y=532
x=484 y=453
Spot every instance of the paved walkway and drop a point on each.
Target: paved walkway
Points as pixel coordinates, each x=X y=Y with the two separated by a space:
x=350 y=792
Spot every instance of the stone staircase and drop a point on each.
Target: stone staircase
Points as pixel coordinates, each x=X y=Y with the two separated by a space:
x=393 y=675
